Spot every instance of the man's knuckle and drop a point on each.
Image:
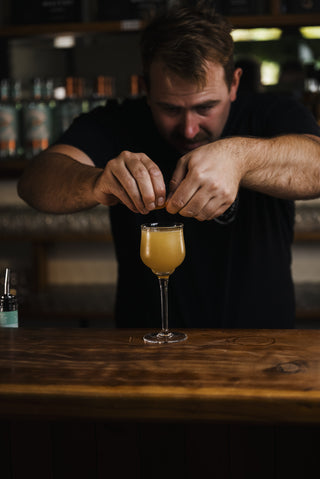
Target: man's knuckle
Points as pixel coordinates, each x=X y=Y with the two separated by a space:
x=112 y=163
x=173 y=183
x=229 y=195
x=154 y=170
x=199 y=176
x=139 y=171
x=177 y=203
x=125 y=153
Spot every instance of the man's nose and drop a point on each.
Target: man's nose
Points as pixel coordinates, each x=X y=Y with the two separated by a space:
x=189 y=125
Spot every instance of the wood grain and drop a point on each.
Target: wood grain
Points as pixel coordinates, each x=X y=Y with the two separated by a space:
x=260 y=376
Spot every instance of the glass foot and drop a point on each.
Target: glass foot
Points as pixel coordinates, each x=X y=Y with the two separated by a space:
x=161 y=338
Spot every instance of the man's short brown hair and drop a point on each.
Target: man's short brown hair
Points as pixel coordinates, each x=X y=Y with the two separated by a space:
x=185 y=39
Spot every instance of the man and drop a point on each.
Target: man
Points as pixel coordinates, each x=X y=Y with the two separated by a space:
x=193 y=147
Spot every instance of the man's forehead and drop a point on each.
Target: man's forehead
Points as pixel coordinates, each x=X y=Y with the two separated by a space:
x=165 y=83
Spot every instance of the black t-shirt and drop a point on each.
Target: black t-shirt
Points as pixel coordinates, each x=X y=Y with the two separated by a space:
x=236 y=275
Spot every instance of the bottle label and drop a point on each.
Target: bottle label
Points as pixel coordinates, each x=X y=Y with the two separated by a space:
x=8 y=123
x=8 y=129
x=37 y=123
x=69 y=110
x=9 y=319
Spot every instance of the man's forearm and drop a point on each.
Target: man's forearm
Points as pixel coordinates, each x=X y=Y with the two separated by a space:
x=55 y=183
x=287 y=166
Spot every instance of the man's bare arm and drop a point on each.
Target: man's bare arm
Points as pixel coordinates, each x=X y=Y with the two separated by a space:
x=206 y=180
x=286 y=167
x=55 y=182
x=64 y=179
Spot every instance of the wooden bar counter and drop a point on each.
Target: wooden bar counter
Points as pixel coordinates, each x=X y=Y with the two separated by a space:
x=88 y=403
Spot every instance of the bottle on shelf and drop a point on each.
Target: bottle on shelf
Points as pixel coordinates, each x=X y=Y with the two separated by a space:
x=136 y=87
x=103 y=91
x=37 y=122
x=16 y=93
x=9 y=122
x=49 y=100
x=81 y=95
x=73 y=105
x=8 y=305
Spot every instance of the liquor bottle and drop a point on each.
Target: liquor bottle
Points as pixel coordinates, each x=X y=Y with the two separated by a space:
x=16 y=93
x=9 y=126
x=136 y=88
x=103 y=91
x=49 y=99
x=8 y=305
x=81 y=95
x=72 y=105
x=37 y=122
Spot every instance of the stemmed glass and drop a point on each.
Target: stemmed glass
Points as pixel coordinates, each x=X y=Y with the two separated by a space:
x=162 y=249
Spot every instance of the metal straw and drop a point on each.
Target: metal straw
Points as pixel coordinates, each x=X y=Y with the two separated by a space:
x=7 y=282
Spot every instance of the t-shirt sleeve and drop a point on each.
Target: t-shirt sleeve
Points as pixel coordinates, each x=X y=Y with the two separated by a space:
x=95 y=134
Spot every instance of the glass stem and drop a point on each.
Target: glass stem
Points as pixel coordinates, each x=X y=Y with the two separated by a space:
x=163 y=282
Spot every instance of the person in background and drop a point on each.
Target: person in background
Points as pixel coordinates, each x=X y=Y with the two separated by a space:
x=229 y=166
x=251 y=74
x=292 y=79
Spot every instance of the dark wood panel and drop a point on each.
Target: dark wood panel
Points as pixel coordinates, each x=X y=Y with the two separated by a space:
x=297 y=451
x=31 y=450
x=118 y=450
x=74 y=450
x=5 y=450
x=154 y=450
x=207 y=452
x=252 y=452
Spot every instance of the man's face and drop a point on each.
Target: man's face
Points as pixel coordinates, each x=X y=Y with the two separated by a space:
x=186 y=115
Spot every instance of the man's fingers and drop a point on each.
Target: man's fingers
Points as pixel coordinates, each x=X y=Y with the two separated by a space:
x=158 y=186
x=149 y=182
x=136 y=180
x=199 y=202
x=178 y=175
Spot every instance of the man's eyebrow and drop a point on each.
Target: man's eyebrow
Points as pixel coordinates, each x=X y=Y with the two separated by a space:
x=204 y=104
x=166 y=104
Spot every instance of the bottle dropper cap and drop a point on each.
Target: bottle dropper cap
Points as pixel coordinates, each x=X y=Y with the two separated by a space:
x=8 y=302
x=7 y=282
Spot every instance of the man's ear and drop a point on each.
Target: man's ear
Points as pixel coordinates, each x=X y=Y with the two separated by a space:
x=235 y=83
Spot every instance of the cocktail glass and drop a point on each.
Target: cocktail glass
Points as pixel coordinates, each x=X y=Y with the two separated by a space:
x=162 y=249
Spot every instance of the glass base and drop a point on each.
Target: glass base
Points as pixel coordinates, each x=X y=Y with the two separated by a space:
x=161 y=338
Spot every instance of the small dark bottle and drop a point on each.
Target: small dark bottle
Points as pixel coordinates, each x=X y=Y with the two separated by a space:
x=8 y=305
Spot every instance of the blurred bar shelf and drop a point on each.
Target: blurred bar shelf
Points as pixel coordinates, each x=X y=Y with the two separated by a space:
x=50 y=29
x=307 y=220
x=26 y=223
x=23 y=222
x=82 y=28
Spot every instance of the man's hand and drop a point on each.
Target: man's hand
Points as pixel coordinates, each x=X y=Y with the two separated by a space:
x=205 y=182
x=132 y=179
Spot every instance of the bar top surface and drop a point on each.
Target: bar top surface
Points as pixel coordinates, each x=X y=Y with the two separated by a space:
x=218 y=375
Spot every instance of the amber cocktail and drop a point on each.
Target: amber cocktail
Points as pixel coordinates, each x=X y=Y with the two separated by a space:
x=162 y=249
